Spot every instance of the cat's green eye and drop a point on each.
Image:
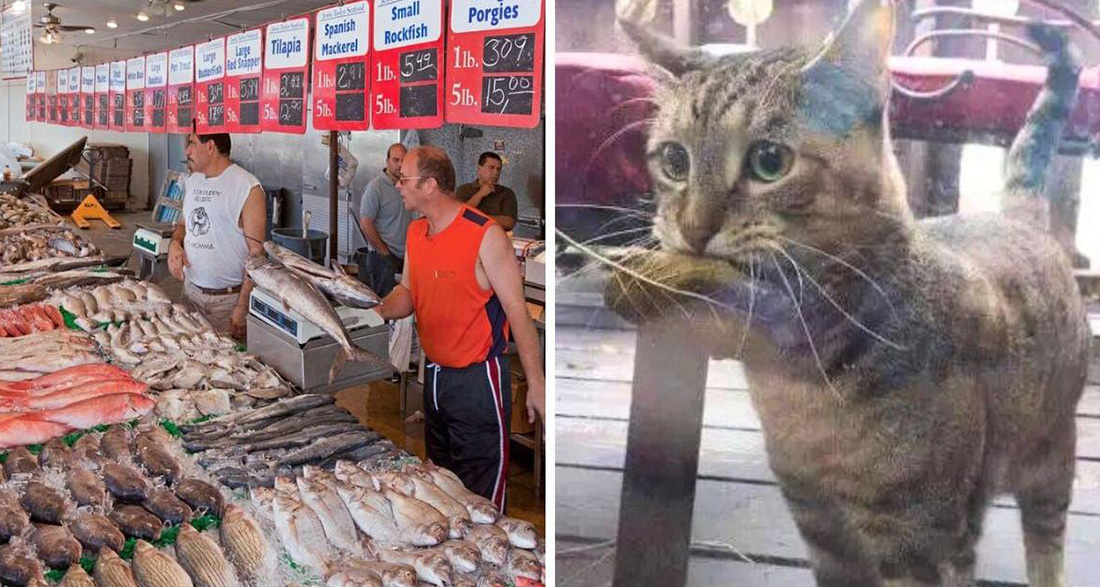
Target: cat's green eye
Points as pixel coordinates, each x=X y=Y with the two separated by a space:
x=768 y=162
x=675 y=161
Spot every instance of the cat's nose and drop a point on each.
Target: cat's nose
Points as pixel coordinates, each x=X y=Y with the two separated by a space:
x=697 y=236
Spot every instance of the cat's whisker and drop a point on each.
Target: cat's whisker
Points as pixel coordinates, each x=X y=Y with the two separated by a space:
x=615 y=136
x=805 y=328
x=874 y=284
x=626 y=211
x=645 y=238
x=852 y=319
x=752 y=303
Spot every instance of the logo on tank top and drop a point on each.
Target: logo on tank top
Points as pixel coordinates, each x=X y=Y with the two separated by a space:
x=445 y=274
x=198 y=222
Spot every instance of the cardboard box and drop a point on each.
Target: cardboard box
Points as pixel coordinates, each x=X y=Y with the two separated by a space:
x=519 y=424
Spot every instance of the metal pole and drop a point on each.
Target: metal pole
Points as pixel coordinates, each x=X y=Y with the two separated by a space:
x=662 y=457
x=333 y=195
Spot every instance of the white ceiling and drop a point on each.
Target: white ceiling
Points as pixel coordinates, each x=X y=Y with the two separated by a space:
x=198 y=22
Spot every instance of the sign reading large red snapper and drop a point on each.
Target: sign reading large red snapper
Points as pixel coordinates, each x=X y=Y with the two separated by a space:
x=494 y=62
x=210 y=86
x=243 y=69
x=286 y=69
x=32 y=99
x=341 y=62
x=408 y=72
x=156 y=92
x=181 y=90
x=87 y=97
x=135 y=94
x=103 y=96
x=118 y=96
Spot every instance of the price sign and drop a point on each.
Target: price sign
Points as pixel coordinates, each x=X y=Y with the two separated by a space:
x=156 y=92
x=63 y=97
x=408 y=64
x=286 y=72
x=32 y=102
x=135 y=94
x=74 y=96
x=181 y=79
x=494 y=62
x=51 y=97
x=87 y=97
x=103 y=96
x=209 y=109
x=341 y=59
x=243 y=68
x=118 y=96
x=40 y=95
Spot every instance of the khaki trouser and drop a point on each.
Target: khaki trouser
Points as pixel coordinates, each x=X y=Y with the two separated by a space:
x=216 y=308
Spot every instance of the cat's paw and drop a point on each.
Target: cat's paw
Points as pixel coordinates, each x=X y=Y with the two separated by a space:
x=636 y=11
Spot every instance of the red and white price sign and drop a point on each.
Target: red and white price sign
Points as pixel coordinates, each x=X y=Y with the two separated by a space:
x=87 y=97
x=408 y=64
x=103 y=96
x=286 y=70
x=210 y=86
x=51 y=96
x=244 y=54
x=32 y=101
x=135 y=94
x=341 y=62
x=40 y=95
x=118 y=96
x=156 y=92
x=181 y=89
x=74 y=96
x=494 y=62
x=63 y=97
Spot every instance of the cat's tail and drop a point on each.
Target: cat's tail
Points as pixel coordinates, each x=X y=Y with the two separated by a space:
x=1035 y=145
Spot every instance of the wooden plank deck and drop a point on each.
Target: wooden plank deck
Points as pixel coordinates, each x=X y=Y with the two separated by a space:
x=742 y=533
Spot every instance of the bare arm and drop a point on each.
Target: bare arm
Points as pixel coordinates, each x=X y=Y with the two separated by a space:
x=399 y=303
x=252 y=222
x=505 y=222
x=371 y=232
x=498 y=261
x=177 y=257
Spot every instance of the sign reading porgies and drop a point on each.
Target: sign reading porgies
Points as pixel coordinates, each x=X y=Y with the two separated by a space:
x=494 y=62
x=286 y=69
x=181 y=96
x=32 y=103
x=51 y=96
x=156 y=92
x=341 y=62
x=243 y=69
x=118 y=96
x=135 y=94
x=87 y=97
x=40 y=95
x=210 y=86
x=74 y=96
x=63 y=97
x=103 y=96
x=408 y=58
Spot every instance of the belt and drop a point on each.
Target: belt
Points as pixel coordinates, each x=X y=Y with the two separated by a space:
x=218 y=291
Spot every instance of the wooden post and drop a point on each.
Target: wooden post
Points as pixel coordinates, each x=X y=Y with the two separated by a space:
x=333 y=195
x=662 y=457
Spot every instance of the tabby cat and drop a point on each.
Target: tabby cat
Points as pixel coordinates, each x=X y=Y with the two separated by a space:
x=905 y=370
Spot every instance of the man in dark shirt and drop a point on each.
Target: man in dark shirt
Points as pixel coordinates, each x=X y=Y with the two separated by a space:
x=496 y=201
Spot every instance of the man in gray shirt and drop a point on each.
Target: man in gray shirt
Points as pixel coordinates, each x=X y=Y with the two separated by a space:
x=385 y=221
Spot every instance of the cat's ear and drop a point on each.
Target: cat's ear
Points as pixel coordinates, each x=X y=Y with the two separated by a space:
x=664 y=51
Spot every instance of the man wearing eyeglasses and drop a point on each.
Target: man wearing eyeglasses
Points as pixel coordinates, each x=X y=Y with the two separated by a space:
x=462 y=280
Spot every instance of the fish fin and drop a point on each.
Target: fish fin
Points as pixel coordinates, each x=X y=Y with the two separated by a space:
x=337 y=365
x=365 y=356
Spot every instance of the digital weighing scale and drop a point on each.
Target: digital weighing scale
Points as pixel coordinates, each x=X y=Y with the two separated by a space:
x=303 y=353
x=151 y=242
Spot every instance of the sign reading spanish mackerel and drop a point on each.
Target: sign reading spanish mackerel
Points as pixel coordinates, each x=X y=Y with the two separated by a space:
x=494 y=62
x=156 y=92
x=209 y=110
x=244 y=53
x=286 y=70
x=341 y=63
x=181 y=89
x=408 y=67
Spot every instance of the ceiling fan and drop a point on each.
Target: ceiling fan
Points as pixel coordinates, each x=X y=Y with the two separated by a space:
x=162 y=8
x=52 y=27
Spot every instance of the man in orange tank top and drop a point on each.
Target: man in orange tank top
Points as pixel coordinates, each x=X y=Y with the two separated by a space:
x=462 y=280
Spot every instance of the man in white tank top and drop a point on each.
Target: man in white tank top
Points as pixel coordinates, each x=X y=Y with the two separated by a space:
x=223 y=222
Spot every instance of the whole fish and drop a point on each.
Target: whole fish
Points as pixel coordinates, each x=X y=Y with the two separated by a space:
x=63 y=397
x=20 y=460
x=55 y=453
x=96 y=531
x=300 y=530
x=203 y=559
x=13 y=520
x=136 y=521
x=56 y=545
x=353 y=578
x=329 y=446
x=393 y=575
x=521 y=533
x=350 y=473
x=491 y=541
x=104 y=409
x=76 y=577
x=149 y=450
x=201 y=496
x=44 y=504
x=244 y=543
x=458 y=516
x=482 y=511
x=125 y=482
x=22 y=429
x=338 y=285
x=431 y=567
x=86 y=487
x=87 y=447
x=523 y=563
x=299 y=294
x=330 y=509
x=66 y=378
x=153 y=568
x=372 y=513
x=415 y=516
x=165 y=505
x=19 y=568
x=464 y=556
x=112 y=571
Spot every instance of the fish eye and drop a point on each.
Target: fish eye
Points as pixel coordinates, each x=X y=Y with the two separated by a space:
x=769 y=162
x=675 y=161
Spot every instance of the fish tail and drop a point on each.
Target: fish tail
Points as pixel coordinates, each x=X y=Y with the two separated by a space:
x=337 y=365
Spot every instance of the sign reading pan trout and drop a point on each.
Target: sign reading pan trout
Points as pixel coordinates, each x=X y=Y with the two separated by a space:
x=341 y=66
x=408 y=64
x=286 y=71
x=181 y=89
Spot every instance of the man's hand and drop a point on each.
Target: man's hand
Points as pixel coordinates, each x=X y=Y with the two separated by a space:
x=394 y=263
x=536 y=400
x=177 y=260
x=480 y=194
x=237 y=330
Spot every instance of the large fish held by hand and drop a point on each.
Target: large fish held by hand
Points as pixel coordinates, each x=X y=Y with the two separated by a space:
x=299 y=294
x=338 y=285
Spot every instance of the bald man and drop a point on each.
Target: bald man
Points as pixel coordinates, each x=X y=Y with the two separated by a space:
x=385 y=222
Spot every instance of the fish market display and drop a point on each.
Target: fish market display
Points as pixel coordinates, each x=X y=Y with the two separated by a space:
x=44 y=247
x=13 y=295
x=53 y=279
x=30 y=356
x=338 y=285
x=29 y=318
x=16 y=212
x=304 y=298
x=116 y=302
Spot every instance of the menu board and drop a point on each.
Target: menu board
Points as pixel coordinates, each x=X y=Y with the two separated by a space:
x=156 y=92
x=341 y=61
x=87 y=97
x=40 y=95
x=118 y=96
x=181 y=79
x=17 y=40
x=63 y=97
x=74 y=96
x=103 y=96
x=135 y=94
x=32 y=102
x=494 y=62
x=286 y=72
x=51 y=97
x=408 y=72
x=209 y=111
x=243 y=70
